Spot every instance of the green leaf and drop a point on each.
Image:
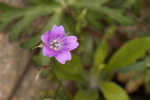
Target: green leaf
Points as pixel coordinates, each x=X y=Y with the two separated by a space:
x=114 y=14
x=3 y=24
x=86 y=95
x=129 y=3
x=112 y=91
x=55 y=19
x=86 y=49
x=104 y=1
x=137 y=7
x=20 y=26
x=7 y=17
x=110 y=31
x=32 y=42
x=99 y=57
x=9 y=14
x=89 y=3
x=86 y=3
x=139 y=66
x=81 y=21
x=39 y=2
x=72 y=70
x=92 y=18
x=41 y=60
x=30 y=14
x=100 y=53
x=129 y=53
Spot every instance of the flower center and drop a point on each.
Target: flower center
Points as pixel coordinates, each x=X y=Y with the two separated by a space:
x=55 y=45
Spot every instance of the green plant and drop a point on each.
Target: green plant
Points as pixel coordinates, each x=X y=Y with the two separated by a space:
x=86 y=19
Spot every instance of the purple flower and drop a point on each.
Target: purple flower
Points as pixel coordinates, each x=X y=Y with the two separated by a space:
x=57 y=44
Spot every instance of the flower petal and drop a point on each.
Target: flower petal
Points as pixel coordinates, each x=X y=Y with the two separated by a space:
x=70 y=43
x=63 y=57
x=45 y=51
x=45 y=36
x=58 y=30
x=48 y=52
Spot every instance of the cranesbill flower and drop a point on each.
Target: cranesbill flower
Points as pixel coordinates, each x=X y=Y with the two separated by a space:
x=57 y=44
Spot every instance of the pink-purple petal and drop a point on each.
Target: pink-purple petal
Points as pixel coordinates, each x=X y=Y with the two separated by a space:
x=45 y=36
x=58 y=30
x=48 y=52
x=70 y=43
x=63 y=57
x=45 y=51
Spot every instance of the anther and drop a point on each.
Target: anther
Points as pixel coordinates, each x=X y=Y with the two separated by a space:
x=55 y=45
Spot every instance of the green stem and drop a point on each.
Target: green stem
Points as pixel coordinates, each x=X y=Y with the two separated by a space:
x=61 y=85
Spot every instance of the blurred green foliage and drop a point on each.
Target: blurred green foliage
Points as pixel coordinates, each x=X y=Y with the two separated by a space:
x=132 y=48
x=95 y=22
x=112 y=91
x=86 y=95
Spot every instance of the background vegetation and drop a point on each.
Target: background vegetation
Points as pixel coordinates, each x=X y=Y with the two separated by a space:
x=113 y=60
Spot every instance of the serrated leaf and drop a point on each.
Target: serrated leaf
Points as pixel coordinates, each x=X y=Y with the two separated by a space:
x=8 y=17
x=55 y=19
x=10 y=14
x=112 y=91
x=129 y=53
x=86 y=95
x=110 y=12
x=31 y=14
x=19 y=27
x=116 y=15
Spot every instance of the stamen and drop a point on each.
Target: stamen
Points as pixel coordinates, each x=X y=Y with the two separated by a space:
x=55 y=44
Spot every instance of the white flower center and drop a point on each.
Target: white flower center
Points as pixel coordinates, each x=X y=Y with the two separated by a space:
x=55 y=44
